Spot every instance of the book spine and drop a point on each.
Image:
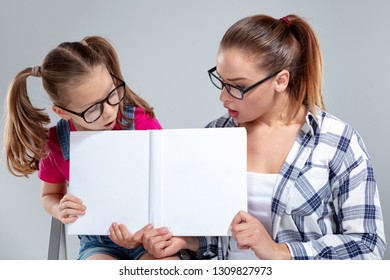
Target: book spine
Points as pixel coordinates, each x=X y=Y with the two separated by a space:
x=155 y=178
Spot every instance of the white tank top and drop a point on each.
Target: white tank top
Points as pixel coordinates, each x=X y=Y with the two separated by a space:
x=260 y=188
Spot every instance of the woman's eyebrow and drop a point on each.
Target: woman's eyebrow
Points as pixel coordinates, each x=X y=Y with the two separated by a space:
x=233 y=80
x=238 y=79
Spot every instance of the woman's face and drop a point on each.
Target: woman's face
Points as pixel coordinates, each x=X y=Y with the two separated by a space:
x=240 y=70
x=93 y=89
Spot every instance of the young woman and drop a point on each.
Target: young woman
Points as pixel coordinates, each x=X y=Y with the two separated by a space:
x=312 y=193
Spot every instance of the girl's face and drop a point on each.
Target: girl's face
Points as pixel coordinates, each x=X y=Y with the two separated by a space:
x=240 y=70
x=92 y=90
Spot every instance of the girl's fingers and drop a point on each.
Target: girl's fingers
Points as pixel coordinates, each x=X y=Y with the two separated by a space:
x=68 y=220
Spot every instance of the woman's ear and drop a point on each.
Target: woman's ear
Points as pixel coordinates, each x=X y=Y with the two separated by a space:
x=61 y=113
x=282 y=80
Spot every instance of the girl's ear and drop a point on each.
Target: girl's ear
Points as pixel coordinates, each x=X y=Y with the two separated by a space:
x=282 y=80
x=61 y=113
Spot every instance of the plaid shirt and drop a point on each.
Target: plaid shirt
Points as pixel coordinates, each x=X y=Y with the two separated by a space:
x=325 y=203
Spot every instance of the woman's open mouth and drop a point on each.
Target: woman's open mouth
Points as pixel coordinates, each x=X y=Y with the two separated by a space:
x=233 y=113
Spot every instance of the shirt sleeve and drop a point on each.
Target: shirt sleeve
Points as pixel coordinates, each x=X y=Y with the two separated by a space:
x=358 y=219
x=49 y=170
x=143 y=121
x=208 y=247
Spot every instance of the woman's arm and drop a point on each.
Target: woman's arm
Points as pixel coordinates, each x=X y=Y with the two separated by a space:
x=358 y=230
x=250 y=233
x=358 y=220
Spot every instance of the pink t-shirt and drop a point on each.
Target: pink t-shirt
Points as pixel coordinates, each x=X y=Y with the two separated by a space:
x=55 y=169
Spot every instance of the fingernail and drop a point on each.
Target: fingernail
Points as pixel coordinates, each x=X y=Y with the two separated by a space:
x=149 y=226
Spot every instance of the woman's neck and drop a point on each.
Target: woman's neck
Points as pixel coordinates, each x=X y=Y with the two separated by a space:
x=281 y=118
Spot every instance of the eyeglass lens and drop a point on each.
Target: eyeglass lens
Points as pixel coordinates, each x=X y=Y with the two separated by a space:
x=235 y=92
x=114 y=98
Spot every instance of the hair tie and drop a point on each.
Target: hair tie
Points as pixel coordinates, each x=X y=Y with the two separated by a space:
x=286 y=20
x=35 y=71
x=83 y=42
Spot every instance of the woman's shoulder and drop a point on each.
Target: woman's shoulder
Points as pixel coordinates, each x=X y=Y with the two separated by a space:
x=223 y=121
x=330 y=124
x=334 y=132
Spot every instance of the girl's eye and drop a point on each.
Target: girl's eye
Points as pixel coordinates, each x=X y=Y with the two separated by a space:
x=93 y=109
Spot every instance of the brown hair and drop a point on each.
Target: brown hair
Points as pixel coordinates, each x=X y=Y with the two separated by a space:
x=288 y=43
x=64 y=67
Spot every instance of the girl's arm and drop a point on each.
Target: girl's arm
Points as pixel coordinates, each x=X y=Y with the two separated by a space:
x=62 y=206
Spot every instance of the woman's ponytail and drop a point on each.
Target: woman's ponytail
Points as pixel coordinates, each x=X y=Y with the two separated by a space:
x=309 y=80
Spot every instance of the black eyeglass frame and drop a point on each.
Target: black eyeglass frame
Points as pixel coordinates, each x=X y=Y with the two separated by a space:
x=107 y=99
x=228 y=86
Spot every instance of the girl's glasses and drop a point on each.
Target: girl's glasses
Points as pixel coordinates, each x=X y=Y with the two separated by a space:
x=93 y=112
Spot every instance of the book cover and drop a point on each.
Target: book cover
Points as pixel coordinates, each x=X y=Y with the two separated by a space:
x=190 y=180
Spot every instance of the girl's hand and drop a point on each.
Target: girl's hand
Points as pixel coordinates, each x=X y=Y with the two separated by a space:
x=70 y=208
x=250 y=233
x=120 y=235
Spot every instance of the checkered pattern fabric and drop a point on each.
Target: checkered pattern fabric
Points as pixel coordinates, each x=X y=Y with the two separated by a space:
x=325 y=202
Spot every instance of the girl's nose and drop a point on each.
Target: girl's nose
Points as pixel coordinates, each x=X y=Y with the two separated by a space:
x=108 y=109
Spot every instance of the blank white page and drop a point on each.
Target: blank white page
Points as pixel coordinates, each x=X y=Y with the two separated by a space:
x=109 y=172
x=203 y=180
x=202 y=174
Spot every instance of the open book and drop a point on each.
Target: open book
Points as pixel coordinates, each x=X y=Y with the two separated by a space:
x=190 y=180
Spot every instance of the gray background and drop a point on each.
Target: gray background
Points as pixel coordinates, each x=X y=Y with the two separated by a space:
x=165 y=48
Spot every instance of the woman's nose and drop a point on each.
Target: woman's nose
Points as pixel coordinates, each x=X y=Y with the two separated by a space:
x=224 y=95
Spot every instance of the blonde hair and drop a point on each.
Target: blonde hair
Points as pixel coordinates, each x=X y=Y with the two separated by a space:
x=64 y=67
x=288 y=43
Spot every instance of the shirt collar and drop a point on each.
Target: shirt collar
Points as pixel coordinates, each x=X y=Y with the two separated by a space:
x=313 y=121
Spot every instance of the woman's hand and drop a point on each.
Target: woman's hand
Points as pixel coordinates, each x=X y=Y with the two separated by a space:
x=160 y=243
x=70 y=208
x=250 y=233
x=120 y=235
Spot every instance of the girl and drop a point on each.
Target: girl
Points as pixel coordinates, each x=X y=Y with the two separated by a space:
x=85 y=84
x=312 y=193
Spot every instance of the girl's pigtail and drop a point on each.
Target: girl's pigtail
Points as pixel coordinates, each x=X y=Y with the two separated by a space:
x=25 y=133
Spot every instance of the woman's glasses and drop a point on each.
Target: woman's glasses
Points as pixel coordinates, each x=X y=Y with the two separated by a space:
x=234 y=91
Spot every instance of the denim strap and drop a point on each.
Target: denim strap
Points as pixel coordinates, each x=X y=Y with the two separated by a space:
x=63 y=134
x=129 y=112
